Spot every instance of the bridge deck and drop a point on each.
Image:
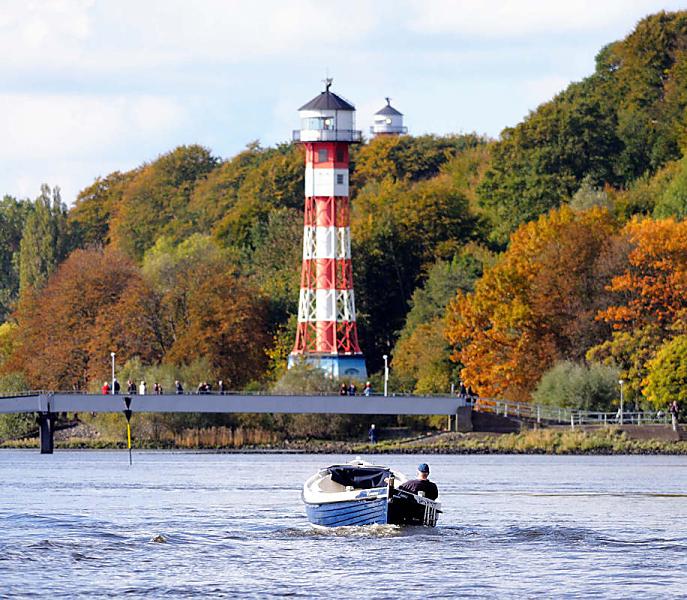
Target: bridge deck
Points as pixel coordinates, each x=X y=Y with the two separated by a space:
x=232 y=403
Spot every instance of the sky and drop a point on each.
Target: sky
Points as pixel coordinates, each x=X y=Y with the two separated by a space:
x=88 y=87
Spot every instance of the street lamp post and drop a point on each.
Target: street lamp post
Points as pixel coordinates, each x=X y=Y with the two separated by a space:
x=112 y=391
x=622 y=400
x=386 y=375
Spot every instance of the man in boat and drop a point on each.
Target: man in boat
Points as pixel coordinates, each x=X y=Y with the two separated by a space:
x=421 y=484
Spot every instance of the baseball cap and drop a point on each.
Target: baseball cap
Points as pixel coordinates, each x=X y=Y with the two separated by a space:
x=423 y=468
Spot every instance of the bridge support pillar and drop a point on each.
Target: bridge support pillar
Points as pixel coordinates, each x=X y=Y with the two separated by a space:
x=464 y=419
x=46 y=428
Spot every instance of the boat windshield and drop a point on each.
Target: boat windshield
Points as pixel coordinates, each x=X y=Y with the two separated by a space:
x=362 y=478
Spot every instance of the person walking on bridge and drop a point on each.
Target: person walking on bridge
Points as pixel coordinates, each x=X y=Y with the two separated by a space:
x=674 y=411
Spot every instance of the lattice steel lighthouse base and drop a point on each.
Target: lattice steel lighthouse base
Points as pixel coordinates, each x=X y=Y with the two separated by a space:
x=327 y=334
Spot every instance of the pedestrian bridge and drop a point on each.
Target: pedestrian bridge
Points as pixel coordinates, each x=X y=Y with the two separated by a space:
x=58 y=402
x=47 y=405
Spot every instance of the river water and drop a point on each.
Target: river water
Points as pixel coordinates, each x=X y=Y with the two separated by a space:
x=176 y=525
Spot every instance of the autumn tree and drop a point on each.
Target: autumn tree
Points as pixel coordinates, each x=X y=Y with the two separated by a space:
x=652 y=290
x=95 y=205
x=226 y=322
x=398 y=231
x=648 y=303
x=208 y=310
x=155 y=202
x=275 y=182
x=217 y=194
x=66 y=331
x=536 y=306
x=410 y=158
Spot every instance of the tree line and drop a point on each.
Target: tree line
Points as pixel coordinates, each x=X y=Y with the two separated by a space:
x=549 y=255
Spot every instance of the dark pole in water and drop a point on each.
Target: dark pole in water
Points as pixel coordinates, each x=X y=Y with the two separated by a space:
x=127 y=414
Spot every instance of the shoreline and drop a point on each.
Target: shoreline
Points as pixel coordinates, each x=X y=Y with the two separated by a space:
x=535 y=442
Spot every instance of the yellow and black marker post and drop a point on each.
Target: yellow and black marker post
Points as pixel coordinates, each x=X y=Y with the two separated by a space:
x=127 y=414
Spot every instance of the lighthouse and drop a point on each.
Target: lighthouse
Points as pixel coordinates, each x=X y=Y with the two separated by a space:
x=327 y=335
x=388 y=121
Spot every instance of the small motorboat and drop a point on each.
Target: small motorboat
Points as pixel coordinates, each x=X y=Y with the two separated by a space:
x=360 y=493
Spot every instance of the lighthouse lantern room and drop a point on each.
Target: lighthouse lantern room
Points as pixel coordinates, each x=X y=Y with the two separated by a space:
x=388 y=121
x=327 y=334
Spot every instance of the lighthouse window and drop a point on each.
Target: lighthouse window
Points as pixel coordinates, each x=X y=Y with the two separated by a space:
x=313 y=123
x=340 y=155
x=322 y=155
x=339 y=178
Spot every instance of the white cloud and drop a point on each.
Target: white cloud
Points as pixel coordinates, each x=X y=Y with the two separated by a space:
x=521 y=18
x=139 y=35
x=37 y=32
x=36 y=127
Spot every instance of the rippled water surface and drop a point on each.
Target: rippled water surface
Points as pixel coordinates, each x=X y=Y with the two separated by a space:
x=85 y=524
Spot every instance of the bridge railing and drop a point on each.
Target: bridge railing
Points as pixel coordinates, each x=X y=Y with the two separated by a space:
x=359 y=392
x=542 y=413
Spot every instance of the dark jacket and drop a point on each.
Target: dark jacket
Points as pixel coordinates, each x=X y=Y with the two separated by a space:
x=421 y=485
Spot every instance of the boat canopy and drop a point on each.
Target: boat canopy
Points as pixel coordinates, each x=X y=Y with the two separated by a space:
x=362 y=478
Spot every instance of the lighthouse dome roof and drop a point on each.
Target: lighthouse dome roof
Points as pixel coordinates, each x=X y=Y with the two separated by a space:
x=327 y=101
x=389 y=110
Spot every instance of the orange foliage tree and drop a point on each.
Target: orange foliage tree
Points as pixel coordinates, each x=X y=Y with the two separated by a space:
x=537 y=305
x=95 y=303
x=652 y=290
x=226 y=322
x=649 y=298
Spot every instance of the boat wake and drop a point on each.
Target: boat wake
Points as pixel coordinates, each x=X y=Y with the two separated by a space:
x=349 y=531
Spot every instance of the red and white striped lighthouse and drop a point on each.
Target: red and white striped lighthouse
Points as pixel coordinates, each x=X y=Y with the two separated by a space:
x=327 y=334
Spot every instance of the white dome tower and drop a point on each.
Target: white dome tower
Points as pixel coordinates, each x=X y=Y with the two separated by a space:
x=388 y=121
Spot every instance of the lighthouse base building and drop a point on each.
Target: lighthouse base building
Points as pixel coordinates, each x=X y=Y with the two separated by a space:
x=327 y=334
x=339 y=367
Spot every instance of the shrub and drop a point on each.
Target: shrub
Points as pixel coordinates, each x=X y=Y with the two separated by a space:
x=578 y=386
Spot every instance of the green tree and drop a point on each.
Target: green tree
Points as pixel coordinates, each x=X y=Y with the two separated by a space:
x=421 y=357
x=667 y=374
x=45 y=241
x=624 y=120
x=589 y=196
x=630 y=351
x=673 y=201
x=13 y=215
x=274 y=265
